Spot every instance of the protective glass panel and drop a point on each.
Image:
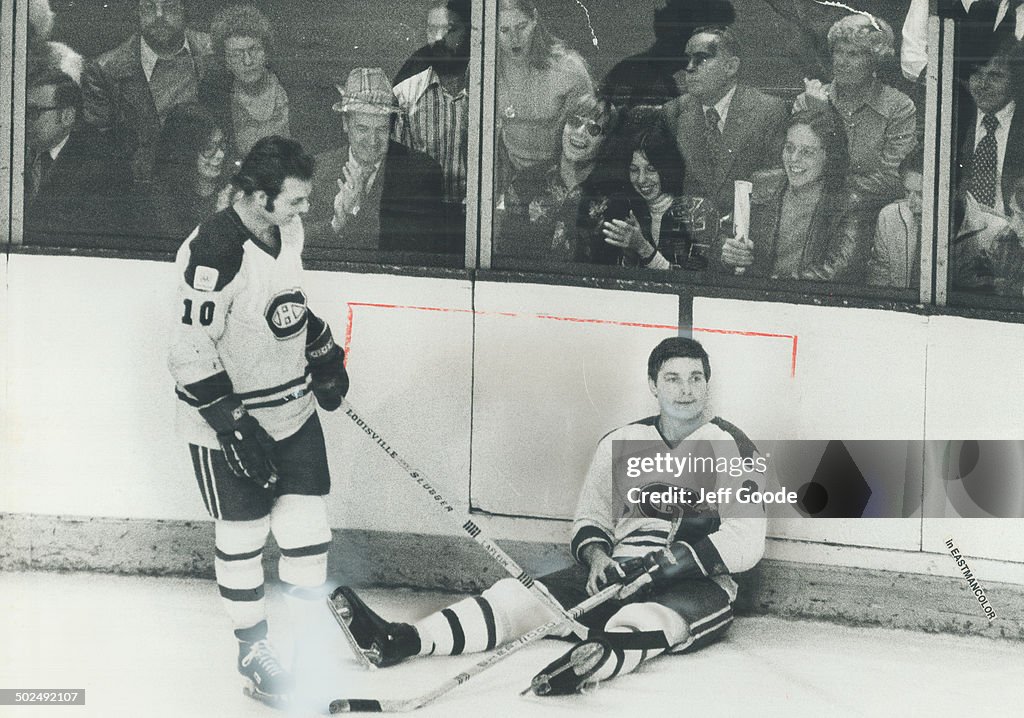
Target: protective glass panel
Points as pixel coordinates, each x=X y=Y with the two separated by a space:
x=139 y=114
x=751 y=144
x=986 y=258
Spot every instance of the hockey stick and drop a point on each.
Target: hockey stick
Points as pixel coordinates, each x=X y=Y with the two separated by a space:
x=470 y=528
x=402 y=705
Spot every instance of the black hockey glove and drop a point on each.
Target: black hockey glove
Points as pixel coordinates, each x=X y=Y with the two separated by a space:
x=326 y=364
x=247 y=447
x=622 y=570
x=671 y=564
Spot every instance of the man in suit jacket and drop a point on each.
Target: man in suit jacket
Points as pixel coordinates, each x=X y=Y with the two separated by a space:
x=76 y=188
x=725 y=131
x=129 y=90
x=373 y=193
x=991 y=130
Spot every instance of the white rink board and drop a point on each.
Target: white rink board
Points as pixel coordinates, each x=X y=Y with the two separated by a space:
x=846 y=384
x=410 y=362
x=975 y=379
x=548 y=386
x=88 y=406
x=90 y=415
x=975 y=392
x=90 y=402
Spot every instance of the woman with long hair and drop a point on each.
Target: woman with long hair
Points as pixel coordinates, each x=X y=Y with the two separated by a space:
x=662 y=228
x=191 y=163
x=804 y=222
x=537 y=78
x=540 y=219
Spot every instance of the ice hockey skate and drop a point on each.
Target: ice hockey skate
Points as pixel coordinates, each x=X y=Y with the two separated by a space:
x=266 y=680
x=571 y=672
x=374 y=641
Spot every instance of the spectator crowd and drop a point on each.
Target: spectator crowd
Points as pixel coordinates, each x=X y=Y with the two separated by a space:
x=671 y=162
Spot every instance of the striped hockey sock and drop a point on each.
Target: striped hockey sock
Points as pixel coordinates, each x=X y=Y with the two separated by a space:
x=238 y=565
x=503 y=612
x=300 y=527
x=465 y=627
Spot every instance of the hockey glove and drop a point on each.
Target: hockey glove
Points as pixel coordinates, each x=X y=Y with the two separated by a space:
x=671 y=564
x=326 y=363
x=622 y=570
x=247 y=447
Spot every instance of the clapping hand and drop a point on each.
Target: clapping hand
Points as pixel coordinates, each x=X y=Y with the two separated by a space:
x=350 y=191
x=627 y=235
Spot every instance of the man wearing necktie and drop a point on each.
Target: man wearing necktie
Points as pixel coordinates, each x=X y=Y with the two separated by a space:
x=725 y=130
x=992 y=148
x=75 y=184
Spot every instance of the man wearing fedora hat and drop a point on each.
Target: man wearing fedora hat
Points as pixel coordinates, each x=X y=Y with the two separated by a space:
x=372 y=192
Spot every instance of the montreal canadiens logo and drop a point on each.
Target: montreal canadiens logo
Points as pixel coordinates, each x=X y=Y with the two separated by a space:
x=286 y=314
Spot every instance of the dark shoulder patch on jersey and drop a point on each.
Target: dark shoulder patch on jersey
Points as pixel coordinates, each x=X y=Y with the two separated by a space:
x=649 y=421
x=215 y=253
x=747 y=447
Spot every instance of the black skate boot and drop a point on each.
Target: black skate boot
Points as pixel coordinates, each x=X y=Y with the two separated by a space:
x=570 y=673
x=265 y=679
x=375 y=640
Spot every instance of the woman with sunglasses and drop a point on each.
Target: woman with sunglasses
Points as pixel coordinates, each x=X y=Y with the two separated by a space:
x=657 y=227
x=191 y=178
x=245 y=96
x=539 y=218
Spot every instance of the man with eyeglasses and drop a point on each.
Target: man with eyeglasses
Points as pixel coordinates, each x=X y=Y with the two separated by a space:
x=725 y=130
x=73 y=178
x=129 y=90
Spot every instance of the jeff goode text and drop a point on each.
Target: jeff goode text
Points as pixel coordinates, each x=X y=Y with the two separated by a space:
x=674 y=495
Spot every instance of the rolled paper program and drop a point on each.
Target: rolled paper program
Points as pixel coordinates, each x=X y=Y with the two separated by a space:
x=741 y=213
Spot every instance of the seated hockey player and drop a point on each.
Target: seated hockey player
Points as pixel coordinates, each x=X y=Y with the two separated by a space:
x=687 y=606
x=249 y=357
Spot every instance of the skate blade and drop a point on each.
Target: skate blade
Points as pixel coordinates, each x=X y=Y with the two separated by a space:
x=279 y=702
x=342 y=613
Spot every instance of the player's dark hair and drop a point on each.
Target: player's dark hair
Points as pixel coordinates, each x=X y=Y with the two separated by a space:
x=272 y=160
x=677 y=347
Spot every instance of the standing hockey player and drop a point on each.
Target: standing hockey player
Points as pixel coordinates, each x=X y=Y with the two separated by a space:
x=249 y=357
x=689 y=603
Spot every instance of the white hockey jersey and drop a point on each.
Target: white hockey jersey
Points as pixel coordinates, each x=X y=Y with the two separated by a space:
x=730 y=541
x=240 y=327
